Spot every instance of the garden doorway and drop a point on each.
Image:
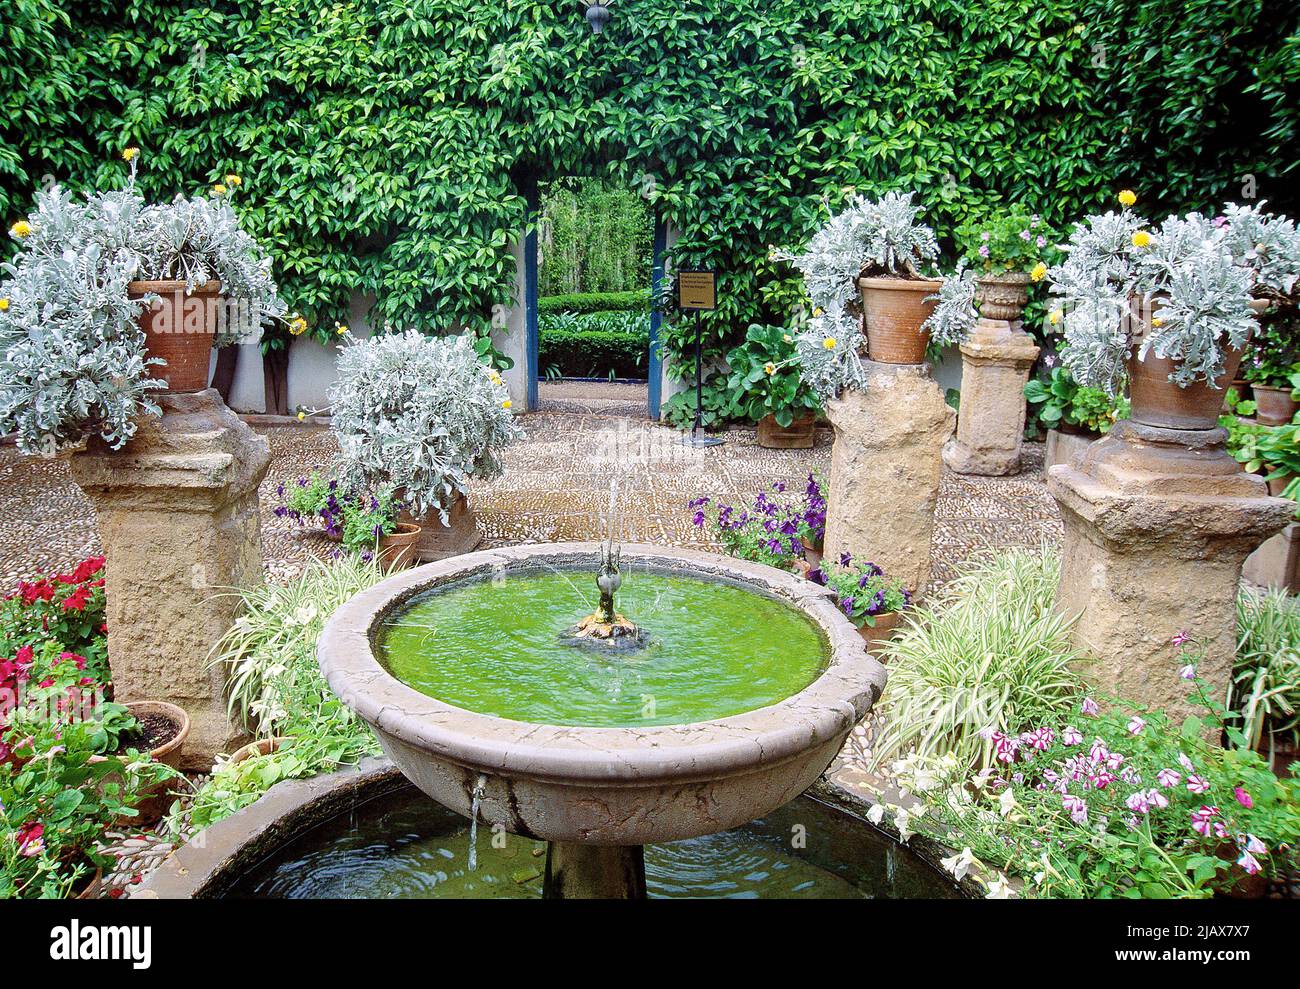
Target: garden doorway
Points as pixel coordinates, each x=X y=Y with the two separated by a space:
x=594 y=257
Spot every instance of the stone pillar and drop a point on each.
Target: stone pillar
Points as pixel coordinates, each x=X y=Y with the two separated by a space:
x=885 y=470
x=1158 y=523
x=177 y=510
x=991 y=424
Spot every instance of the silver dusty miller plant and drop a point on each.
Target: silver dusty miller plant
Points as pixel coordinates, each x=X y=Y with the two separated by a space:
x=419 y=414
x=882 y=237
x=72 y=355
x=874 y=238
x=1197 y=276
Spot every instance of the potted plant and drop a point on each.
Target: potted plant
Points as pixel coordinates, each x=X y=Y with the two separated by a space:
x=418 y=417
x=766 y=388
x=1265 y=692
x=1005 y=249
x=1169 y=308
x=880 y=250
x=1268 y=369
x=1073 y=415
x=110 y=300
x=363 y=522
x=872 y=601
x=59 y=793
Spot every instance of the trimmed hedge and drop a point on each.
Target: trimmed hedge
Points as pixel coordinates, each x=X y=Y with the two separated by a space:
x=595 y=302
x=593 y=345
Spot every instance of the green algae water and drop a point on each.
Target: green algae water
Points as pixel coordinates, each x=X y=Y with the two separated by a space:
x=494 y=647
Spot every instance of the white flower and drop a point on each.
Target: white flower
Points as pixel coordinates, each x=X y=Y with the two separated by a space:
x=1000 y=889
x=960 y=864
x=1007 y=802
x=876 y=814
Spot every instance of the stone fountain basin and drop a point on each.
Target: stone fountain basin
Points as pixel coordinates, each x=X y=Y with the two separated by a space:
x=603 y=786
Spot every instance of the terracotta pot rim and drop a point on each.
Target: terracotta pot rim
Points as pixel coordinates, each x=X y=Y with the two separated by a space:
x=174 y=713
x=162 y=286
x=260 y=746
x=405 y=530
x=890 y=283
x=91 y=890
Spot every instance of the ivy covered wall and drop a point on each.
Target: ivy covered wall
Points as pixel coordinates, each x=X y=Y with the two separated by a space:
x=386 y=145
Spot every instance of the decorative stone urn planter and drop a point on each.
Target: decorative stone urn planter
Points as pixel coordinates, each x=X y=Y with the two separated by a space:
x=397 y=549
x=599 y=793
x=1274 y=406
x=437 y=541
x=179 y=327
x=799 y=435
x=1003 y=296
x=893 y=310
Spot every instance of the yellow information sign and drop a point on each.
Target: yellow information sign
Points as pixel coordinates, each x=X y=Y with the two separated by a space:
x=697 y=290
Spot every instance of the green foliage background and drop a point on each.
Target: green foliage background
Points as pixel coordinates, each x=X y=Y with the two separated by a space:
x=595 y=237
x=385 y=145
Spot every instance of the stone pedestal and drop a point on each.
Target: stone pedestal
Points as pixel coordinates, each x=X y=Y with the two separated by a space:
x=885 y=470
x=991 y=426
x=1158 y=523
x=177 y=509
x=1277 y=563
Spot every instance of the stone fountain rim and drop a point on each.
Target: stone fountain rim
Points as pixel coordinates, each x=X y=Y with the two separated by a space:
x=735 y=745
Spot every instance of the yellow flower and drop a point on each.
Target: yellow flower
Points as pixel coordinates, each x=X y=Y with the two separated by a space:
x=495 y=378
x=4 y=305
x=506 y=404
x=1054 y=316
x=21 y=229
x=1039 y=272
x=297 y=326
x=340 y=329
x=829 y=343
x=130 y=154
x=818 y=310
x=769 y=368
x=1141 y=238
x=302 y=416
x=219 y=189
x=233 y=180
x=1157 y=321
x=1127 y=197
x=787 y=338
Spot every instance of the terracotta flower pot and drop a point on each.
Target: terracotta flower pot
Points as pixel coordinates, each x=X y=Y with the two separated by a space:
x=438 y=541
x=92 y=885
x=1003 y=296
x=1278 y=485
x=156 y=799
x=263 y=746
x=799 y=435
x=1274 y=406
x=1157 y=401
x=812 y=552
x=179 y=328
x=878 y=636
x=893 y=310
x=397 y=549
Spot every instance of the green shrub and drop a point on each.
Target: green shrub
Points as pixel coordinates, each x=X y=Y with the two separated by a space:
x=990 y=652
x=594 y=345
x=595 y=302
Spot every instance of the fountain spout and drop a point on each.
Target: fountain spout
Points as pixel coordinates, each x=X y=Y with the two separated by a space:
x=605 y=626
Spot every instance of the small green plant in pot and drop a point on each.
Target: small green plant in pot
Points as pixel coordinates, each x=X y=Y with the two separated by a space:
x=1269 y=367
x=767 y=388
x=1006 y=250
x=1265 y=695
x=1060 y=402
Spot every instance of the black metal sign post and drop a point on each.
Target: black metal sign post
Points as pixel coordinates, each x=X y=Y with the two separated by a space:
x=697 y=293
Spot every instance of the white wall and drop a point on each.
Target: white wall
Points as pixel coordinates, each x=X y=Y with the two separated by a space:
x=510 y=333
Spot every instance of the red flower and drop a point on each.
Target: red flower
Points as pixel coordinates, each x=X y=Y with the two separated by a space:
x=76 y=601
x=30 y=832
x=87 y=568
x=24 y=656
x=47 y=682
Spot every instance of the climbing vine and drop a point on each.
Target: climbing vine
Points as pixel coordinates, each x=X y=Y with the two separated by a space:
x=387 y=146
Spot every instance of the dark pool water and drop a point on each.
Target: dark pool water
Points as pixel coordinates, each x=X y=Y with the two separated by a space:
x=402 y=845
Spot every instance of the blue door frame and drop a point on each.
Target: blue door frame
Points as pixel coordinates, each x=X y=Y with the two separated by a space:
x=654 y=374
